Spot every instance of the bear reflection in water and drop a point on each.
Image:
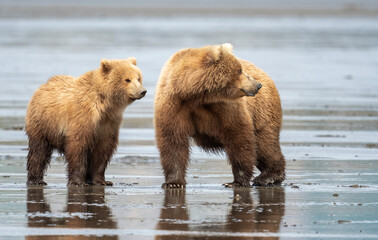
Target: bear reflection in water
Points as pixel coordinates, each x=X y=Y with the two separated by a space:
x=81 y=201
x=243 y=217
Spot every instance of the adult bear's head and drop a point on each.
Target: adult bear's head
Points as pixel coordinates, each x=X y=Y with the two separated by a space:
x=211 y=73
x=226 y=72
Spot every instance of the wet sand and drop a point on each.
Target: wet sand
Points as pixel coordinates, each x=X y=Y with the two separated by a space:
x=323 y=58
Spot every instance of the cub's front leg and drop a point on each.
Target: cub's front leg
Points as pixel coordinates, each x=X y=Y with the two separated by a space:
x=76 y=153
x=102 y=154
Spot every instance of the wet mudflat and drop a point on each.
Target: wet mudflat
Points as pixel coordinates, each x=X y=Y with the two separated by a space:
x=324 y=61
x=320 y=199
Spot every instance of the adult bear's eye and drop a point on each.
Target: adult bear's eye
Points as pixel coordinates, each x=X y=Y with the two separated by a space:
x=128 y=80
x=240 y=71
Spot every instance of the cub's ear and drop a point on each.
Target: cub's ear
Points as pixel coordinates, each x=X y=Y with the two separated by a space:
x=106 y=65
x=227 y=47
x=132 y=60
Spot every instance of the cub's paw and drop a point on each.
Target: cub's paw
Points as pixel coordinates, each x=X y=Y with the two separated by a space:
x=34 y=183
x=236 y=185
x=173 y=186
x=266 y=180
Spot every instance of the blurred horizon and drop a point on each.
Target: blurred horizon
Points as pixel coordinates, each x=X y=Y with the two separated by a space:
x=246 y=8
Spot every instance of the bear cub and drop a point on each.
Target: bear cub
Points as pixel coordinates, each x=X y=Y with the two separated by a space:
x=80 y=117
x=223 y=103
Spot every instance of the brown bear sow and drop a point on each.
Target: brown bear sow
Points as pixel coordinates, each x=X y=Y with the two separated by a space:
x=81 y=117
x=207 y=94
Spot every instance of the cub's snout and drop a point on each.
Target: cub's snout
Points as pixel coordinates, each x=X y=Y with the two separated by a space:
x=136 y=90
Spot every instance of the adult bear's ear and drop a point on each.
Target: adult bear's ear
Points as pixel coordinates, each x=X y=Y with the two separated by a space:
x=227 y=47
x=215 y=53
x=132 y=60
x=105 y=66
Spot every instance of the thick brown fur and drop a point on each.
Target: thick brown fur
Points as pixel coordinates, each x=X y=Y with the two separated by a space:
x=206 y=94
x=81 y=117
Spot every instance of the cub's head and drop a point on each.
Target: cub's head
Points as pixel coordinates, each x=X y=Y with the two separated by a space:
x=123 y=78
x=226 y=73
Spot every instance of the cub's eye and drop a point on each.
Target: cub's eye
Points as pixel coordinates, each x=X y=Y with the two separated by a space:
x=128 y=80
x=240 y=71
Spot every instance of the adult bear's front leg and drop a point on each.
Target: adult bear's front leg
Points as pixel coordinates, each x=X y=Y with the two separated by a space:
x=173 y=130
x=174 y=157
x=241 y=151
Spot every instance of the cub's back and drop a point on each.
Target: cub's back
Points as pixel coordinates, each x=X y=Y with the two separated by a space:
x=58 y=83
x=50 y=101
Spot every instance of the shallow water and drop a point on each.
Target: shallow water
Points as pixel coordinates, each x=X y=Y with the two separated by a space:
x=325 y=67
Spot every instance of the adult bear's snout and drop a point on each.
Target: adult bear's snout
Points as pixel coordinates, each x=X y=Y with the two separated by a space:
x=252 y=89
x=258 y=86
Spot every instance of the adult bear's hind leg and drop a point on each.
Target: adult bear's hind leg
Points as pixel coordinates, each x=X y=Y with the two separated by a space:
x=270 y=160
